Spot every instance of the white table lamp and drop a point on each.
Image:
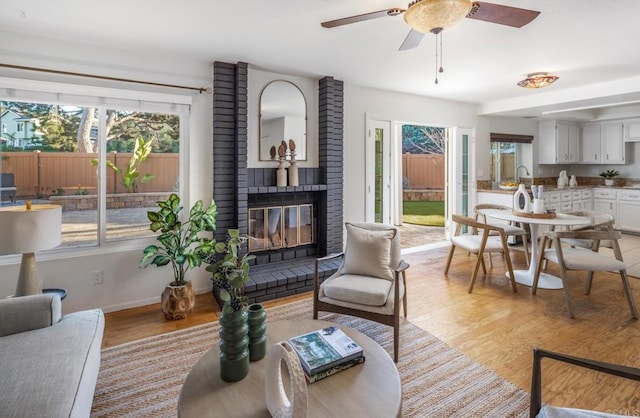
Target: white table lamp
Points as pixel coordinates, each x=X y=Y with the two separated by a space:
x=27 y=229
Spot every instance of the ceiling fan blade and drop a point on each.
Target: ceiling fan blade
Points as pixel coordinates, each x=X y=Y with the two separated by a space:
x=412 y=40
x=504 y=15
x=360 y=18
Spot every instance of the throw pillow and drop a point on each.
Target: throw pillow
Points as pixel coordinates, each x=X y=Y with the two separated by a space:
x=368 y=252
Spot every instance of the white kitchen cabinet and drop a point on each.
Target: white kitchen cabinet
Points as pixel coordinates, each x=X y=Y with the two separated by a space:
x=628 y=210
x=587 y=199
x=559 y=143
x=590 y=143
x=605 y=200
x=602 y=143
x=612 y=144
x=631 y=130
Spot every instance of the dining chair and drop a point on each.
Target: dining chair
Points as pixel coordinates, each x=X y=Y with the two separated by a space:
x=582 y=259
x=479 y=244
x=371 y=280
x=511 y=229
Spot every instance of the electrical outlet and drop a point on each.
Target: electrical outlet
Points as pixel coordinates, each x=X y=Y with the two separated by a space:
x=97 y=277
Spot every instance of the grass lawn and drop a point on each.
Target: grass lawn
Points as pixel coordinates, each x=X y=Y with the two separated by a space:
x=423 y=213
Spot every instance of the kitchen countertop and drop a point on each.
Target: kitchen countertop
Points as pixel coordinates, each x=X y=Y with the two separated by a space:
x=548 y=189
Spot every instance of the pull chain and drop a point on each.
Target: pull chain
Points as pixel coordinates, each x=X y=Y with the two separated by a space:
x=439 y=68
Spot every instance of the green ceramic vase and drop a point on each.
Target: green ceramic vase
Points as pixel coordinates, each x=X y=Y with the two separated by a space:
x=234 y=345
x=256 y=319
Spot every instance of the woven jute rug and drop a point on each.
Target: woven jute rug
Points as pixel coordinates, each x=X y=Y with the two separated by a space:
x=143 y=378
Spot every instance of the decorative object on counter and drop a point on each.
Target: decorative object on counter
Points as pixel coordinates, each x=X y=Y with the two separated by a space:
x=281 y=177
x=278 y=404
x=256 y=320
x=293 y=166
x=609 y=175
x=572 y=181
x=521 y=199
x=563 y=180
x=508 y=185
x=538 y=201
x=272 y=152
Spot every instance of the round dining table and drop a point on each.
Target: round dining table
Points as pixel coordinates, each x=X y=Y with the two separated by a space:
x=526 y=277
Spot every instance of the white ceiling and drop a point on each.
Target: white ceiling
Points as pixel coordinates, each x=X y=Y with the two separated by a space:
x=590 y=44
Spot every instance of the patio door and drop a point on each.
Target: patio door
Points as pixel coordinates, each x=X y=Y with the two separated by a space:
x=378 y=171
x=460 y=180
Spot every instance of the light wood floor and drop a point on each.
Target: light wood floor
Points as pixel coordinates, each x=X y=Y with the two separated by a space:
x=492 y=325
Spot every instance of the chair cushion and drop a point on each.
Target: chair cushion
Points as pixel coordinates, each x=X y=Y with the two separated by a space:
x=368 y=252
x=472 y=243
x=587 y=260
x=357 y=289
x=555 y=412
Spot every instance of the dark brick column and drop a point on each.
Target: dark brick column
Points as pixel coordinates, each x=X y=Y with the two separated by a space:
x=230 y=146
x=330 y=216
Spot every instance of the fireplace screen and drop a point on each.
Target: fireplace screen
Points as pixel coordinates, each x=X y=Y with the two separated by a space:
x=276 y=227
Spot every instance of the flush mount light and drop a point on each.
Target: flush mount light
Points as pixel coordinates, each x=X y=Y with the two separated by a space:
x=537 y=80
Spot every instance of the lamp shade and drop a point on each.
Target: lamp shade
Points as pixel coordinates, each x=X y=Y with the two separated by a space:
x=27 y=231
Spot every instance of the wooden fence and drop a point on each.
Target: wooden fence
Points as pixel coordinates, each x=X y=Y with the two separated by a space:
x=423 y=171
x=41 y=173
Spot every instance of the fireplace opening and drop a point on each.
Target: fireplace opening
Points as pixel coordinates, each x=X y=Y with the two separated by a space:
x=278 y=227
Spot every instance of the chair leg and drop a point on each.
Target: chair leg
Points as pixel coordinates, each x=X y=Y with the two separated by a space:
x=587 y=284
x=507 y=257
x=404 y=297
x=479 y=261
x=396 y=335
x=451 y=250
x=627 y=291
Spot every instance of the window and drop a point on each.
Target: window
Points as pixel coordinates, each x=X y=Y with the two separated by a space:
x=19 y=126
x=4 y=128
x=105 y=160
x=509 y=153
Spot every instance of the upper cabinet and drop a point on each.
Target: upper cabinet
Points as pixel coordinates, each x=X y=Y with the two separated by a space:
x=601 y=143
x=612 y=144
x=631 y=130
x=559 y=143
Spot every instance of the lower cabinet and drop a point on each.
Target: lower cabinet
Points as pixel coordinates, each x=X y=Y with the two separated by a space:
x=629 y=210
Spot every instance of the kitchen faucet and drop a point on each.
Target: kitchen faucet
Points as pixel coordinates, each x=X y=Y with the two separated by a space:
x=518 y=171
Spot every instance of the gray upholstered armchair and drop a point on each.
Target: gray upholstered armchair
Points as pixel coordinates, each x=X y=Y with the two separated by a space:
x=370 y=283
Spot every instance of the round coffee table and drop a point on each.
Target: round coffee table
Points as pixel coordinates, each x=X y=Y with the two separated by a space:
x=369 y=389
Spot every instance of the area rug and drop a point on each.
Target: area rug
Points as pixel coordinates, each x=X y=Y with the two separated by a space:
x=143 y=378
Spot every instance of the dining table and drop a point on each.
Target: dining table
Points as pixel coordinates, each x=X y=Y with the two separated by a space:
x=526 y=277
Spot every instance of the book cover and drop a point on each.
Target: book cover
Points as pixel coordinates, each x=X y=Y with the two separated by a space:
x=335 y=369
x=322 y=349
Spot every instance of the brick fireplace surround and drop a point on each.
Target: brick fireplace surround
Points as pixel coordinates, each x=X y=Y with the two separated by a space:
x=287 y=271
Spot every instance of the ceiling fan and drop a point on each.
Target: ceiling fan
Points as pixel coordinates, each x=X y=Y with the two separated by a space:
x=433 y=16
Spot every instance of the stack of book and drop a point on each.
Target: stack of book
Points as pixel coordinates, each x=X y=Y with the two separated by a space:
x=326 y=352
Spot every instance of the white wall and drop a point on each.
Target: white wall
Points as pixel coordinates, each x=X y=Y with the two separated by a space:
x=361 y=102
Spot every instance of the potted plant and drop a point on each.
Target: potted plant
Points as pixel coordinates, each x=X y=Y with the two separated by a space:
x=609 y=176
x=229 y=274
x=182 y=246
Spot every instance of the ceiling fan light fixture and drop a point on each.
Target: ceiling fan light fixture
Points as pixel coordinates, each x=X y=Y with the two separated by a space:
x=538 y=80
x=427 y=16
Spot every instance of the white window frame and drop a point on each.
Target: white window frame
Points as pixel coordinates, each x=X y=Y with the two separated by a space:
x=13 y=89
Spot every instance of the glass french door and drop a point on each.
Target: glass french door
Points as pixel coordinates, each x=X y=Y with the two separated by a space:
x=378 y=172
x=459 y=189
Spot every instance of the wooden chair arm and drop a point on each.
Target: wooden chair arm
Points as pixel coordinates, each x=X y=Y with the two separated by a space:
x=627 y=372
x=595 y=235
x=401 y=267
x=330 y=256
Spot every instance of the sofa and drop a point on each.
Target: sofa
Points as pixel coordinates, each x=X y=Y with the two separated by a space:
x=48 y=362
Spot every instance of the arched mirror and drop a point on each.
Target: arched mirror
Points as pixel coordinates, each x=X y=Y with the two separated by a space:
x=283 y=116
